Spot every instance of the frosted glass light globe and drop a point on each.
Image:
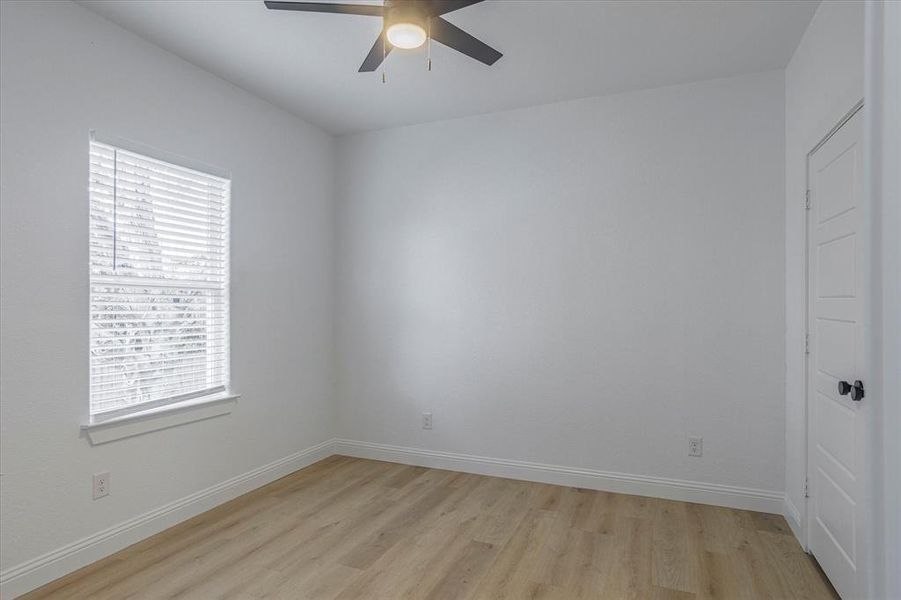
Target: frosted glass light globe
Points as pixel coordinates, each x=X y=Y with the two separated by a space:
x=406 y=35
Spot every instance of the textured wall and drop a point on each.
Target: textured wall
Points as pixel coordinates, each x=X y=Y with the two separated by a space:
x=583 y=284
x=66 y=71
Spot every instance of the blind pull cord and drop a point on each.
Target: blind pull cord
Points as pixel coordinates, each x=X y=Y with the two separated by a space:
x=115 y=204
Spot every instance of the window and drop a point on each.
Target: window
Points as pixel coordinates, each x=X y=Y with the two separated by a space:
x=159 y=282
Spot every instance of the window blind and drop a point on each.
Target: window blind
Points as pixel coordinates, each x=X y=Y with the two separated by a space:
x=159 y=270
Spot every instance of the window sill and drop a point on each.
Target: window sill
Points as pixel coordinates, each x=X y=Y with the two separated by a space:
x=160 y=417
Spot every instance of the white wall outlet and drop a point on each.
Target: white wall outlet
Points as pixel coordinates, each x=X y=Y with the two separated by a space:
x=101 y=485
x=695 y=446
x=426 y=420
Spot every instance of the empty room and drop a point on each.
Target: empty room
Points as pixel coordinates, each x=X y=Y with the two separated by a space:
x=450 y=299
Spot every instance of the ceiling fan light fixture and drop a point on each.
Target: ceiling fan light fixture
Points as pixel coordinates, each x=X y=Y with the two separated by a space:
x=406 y=24
x=406 y=35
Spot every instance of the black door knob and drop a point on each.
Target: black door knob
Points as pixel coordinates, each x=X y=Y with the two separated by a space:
x=843 y=388
x=857 y=391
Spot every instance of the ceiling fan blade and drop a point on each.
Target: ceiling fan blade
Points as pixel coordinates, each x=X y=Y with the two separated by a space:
x=377 y=54
x=442 y=7
x=368 y=10
x=454 y=37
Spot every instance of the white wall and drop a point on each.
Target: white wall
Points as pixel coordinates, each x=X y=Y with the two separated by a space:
x=64 y=72
x=581 y=284
x=823 y=81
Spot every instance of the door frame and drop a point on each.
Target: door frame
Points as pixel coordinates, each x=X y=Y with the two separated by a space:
x=882 y=84
x=865 y=231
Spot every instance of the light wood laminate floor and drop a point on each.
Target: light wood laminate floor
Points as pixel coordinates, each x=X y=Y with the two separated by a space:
x=352 y=528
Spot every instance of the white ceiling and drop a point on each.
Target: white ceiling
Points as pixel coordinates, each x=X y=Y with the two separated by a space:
x=553 y=50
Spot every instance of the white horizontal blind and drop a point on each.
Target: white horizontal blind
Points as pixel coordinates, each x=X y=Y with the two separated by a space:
x=159 y=281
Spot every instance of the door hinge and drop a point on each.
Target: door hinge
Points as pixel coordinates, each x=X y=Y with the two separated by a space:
x=807 y=199
x=806 y=343
x=806 y=489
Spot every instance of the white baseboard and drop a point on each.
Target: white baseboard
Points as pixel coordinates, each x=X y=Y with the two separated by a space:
x=793 y=517
x=53 y=565
x=622 y=483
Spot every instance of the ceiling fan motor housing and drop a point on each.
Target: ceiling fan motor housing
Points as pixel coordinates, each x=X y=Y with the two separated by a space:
x=406 y=11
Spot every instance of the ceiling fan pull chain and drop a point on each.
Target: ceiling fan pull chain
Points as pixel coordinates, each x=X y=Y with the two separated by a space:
x=429 y=50
x=384 y=54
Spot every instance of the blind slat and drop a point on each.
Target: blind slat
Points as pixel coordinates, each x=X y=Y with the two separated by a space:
x=161 y=231
x=103 y=195
x=126 y=185
x=159 y=376
x=122 y=282
x=162 y=269
x=96 y=240
x=154 y=327
x=106 y=246
x=166 y=332
x=125 y=396
x=100 y=350
x=138 y=205
x=170 y=387
x=161 y=169
x=200 y=355
x=143 y=311
x=209 y=228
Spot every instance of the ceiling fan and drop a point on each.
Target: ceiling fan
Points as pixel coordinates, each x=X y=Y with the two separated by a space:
x=405 y=24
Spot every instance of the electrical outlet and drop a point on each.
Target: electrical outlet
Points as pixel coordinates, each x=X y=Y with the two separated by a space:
x=426 y=420
x=101 y=485
x=695 y=446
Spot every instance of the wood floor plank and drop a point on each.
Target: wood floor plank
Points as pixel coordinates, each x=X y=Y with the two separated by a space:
x=462 y=574
x=630 y=567
x=511 y=572
x=348 y=528
x=674 y=554
x=409 y=570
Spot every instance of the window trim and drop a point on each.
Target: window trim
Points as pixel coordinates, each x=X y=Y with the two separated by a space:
x=197 y=406
x=101 y=431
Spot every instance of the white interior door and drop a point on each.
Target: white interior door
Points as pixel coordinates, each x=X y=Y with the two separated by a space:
x=837 y=411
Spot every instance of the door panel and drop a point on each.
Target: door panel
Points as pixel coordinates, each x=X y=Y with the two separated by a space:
x=836 y=458
x=836 y=185
x=835 y=278
x=836 y=516
x=833 y=420
x=834 y=337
